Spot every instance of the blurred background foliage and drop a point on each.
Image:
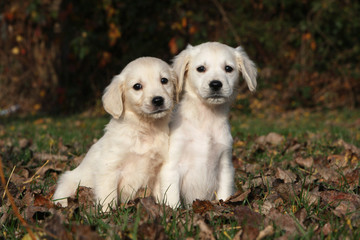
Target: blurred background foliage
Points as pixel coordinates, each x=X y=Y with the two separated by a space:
x=59 y=55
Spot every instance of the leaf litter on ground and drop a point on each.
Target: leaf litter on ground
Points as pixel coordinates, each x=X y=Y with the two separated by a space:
x=286 y=187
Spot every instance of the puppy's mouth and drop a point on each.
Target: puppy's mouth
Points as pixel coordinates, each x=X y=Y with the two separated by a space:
x=158 y=111
x=216 y=99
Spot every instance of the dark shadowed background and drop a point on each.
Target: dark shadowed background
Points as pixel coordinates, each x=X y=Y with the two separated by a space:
x=58 y=56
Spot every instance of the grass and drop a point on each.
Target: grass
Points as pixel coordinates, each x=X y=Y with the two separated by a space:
x=316 y=132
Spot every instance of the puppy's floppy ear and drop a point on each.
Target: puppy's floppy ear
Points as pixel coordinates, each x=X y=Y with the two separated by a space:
x=113 y=97
x=247 y=68
x=174 y=79
x=181 y=66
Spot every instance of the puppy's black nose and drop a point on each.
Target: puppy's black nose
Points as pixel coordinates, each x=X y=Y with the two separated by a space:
x=158 y=101
x=215 y=85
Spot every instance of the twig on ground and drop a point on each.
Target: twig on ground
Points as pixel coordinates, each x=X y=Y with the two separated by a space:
x=7 y=184
x=32 y=178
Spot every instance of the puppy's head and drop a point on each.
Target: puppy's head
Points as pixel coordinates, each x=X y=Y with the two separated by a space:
x=146 y=87
x=211 y=70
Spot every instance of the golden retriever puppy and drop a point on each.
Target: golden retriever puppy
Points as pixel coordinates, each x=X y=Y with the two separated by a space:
x=199 y=164
x=130 y=154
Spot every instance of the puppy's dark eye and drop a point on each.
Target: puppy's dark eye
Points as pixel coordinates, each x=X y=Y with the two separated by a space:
x=164 y=80
x=137 y=86
x=228 y=69
x=201 y=69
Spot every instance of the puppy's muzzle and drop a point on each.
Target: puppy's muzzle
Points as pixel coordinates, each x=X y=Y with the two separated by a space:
x=215 y=85
x=157 y=101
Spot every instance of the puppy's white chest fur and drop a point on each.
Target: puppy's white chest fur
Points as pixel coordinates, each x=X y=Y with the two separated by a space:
x=203 y=145
x=146 y=150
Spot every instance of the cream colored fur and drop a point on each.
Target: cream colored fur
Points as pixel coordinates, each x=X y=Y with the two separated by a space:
x=199 y=164
x=130 y=154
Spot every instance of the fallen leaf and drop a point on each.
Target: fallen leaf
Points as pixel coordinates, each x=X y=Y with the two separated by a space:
x=239 y=196
x=268 y=231
x=42 y=201
x=48 y=156
x=35 y=213
x=326 y=172
x=283 y=221
x=264 y=208
x=326 y=229
x=202 y=206
x=153 y=209
x=272 y=138
x=285 y=175
x=54 y=227
x=301 y=215
x=345 y=208
x=337 y=160
x=249 y=220
x=152 y=231
x=346 y=204
x=85 y=196
x=305 y=162
x=287 y=191
x=334 y=197
x=352 y=178
x=348 y=146
x=206 y=232
x=294 y=148
x=85 y=232
x=24 y=143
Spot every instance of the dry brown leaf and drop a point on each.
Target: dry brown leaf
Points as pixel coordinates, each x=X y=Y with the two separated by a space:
x=239 y=196
x=264 y=208
x=352 y=178
x=301 y=215
x=41 y=201
x=338 y=161
x=272 y=138
x=206 y=232
x=348 y=146
x=283 y=221
x=305 y=162
x=249 y=220
x=287 y=191
x=268 y=231
x=48 y=156
x=286 y=175
x=346 y=204
x=153 y=209
x=294 y=148
x=85 y=232
x=345 y=209
x=25 y=143
x=54 y=227
x=327 y=173
x=52 y=165
x=334 y=197
x=202 y=206
x=85 y=196
x=326 y=229
x=151 y=231
x=238 y=235
x=33 y=213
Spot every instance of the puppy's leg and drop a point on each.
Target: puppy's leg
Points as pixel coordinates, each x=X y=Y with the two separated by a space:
x=170 y=185
x=69 y=182
x=170 y=176
x=106 y=187
x=226 y=177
